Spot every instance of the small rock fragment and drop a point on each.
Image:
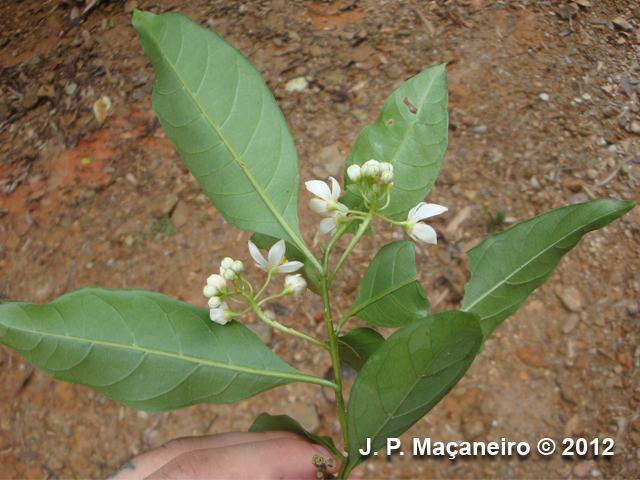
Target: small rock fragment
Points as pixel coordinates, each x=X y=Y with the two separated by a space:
x=571 y=324
x=263 y=331
x=4 y=41
x=180 y=215
x=479 y=129
x=544 y=97
x=635 y=128
x=621 y=23
x=167 y=206
x=71 y=89
x=296 y=85
x=30 y=97
x=570 y=298
x=581 y=470
x=33 y=61
x=592 y=174
x=535 y=183
x=101 y=108
x=531 y=356
x=130 y=6
x=473 y=430
x=46 y=91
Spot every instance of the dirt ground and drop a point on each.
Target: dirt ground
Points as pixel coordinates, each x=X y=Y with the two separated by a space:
x=543 y=112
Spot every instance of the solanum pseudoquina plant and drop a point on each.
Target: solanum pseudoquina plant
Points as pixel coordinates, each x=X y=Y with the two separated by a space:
x=216 y=109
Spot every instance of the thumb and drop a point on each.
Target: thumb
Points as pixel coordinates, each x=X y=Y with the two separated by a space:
x=283 y=458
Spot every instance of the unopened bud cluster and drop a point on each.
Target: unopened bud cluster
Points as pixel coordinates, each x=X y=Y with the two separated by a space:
x=374 y=180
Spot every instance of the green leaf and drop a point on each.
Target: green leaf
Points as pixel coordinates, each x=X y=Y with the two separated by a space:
x=284 y=423
x=216 y=109
x=390 y=295
x=358 y=345
x=143 y=349
x=414 y=143
x=508 y=266
x=309 y=272
x=407 y=376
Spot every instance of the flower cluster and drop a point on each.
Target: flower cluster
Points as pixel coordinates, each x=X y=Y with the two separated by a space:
x=216 y=289
x=372 y=173
x=326 y=204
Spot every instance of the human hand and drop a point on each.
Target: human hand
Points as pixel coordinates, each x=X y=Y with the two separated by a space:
x=273 y=455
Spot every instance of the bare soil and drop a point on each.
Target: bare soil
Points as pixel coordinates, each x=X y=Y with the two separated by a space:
x=543 y=109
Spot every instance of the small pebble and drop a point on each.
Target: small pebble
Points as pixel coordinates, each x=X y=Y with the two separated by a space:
x=586 y=96
x=535 y=183
x=544 y=97
x=479 y=129
x=71 y=89
x=635 y=128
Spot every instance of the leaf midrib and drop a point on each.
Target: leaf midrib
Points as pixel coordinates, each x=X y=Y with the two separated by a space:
x=356 y=308
x=302 y=377
x=390 y=415
x=283 y=223
x=499 y=284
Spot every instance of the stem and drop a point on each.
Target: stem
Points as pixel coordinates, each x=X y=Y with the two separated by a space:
x=272 y=297
x=335 y=360
x=354 y=241
x=272 y=323
x=269 y=277
x=392 y=222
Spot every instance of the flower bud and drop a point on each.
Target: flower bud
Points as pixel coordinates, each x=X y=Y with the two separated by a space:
x=238 y=267
x=215 y=302
x=229 y=275
x=210 y=290
x=386 y=177
x=220 y=315
x=386 y=167
x=354 y=172
x=295 y=285
x=371 y=168
x=227 y=263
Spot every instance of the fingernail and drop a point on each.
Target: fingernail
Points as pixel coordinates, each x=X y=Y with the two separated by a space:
x=323 y=450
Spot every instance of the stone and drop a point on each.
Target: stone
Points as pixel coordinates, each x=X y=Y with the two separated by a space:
x=71 y=89
x=568 y=394
x=532 y=356
x=4 y=41
x=570 y=298
x=622 y=23
x=328 y=162
x=535 y=183
x=582 y=470
x=180 y=215
x=296 y=85
x=33 y=61
x=479 y=129
x=473 y=430
x=635 y=128
x=30 y=97
x=167 y=206
x=46 y=91
x=571 y=323
x=544 y=97
x=592 y=174
x=130 y=6
x=572 y=184
x=263 y=331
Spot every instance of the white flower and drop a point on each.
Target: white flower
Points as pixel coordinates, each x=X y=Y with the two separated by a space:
x=387 y=177
x=215 y=284
x=386 y=167
x=220 y=315
x=330 y=224
x=214 y=302
x=229 y=275
x=296 y=285
x=227 y=263
x=421 y=232
x=354 y=172
x=326 y=200
x=277 y=262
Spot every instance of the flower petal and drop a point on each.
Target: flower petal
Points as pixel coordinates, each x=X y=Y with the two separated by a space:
x=276 y=253
x=327 y=225
x=319 y=206
x=319 y=189
x=335 y=188
x=290 y=267
x=426 y=210
x=424 y=233
x=257 y=256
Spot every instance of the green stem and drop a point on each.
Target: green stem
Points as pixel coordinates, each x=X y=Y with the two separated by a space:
x=392 y=222
x=270 y=275
x=335 y=361
x=272 y=323
x=272 y=297
x=354 y=241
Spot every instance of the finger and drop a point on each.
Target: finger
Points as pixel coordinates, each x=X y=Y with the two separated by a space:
x=147 y=463
x=282 y=458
